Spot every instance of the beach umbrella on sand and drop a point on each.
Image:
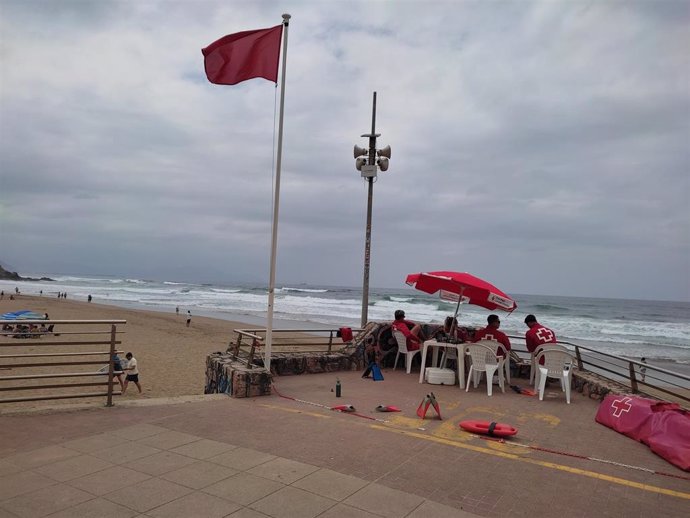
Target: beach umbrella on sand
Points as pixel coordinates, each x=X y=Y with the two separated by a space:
x=22 y=315
x=463 y=288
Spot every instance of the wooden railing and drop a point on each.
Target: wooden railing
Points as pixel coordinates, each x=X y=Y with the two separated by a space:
x=25 y=357
x=251 y=342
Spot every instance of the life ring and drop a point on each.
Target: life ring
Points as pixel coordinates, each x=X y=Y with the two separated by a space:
x=489 y=428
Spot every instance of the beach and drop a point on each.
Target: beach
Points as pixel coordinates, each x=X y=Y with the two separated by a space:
x=171 y=356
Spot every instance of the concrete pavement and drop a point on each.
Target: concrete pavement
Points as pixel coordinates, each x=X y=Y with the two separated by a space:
x=291 y=456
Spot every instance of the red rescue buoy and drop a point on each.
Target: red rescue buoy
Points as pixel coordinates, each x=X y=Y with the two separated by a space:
x=489 y=428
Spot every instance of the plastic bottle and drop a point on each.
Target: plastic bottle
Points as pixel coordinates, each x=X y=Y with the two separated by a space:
x=338 y=388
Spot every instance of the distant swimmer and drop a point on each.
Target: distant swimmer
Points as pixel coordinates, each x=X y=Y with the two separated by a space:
x=189 y=317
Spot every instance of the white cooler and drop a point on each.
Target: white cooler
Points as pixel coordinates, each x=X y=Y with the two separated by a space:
x=436 y=376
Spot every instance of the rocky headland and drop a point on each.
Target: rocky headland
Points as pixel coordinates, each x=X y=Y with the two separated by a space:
x=14 y=276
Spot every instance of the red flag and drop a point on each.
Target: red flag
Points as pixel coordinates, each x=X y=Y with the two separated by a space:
x=244 y=55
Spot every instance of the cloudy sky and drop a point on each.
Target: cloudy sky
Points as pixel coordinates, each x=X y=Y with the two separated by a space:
x=543 y=146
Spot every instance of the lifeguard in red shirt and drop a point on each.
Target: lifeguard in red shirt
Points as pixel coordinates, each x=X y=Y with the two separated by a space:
x=537 y=334
x=491 y=332
x=411 y=330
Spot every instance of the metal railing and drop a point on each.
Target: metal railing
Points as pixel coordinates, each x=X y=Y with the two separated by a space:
x=638 y=377
x=252 y=342
x=66 y=353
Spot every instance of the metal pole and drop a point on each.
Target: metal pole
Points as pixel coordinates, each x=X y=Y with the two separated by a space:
x=276 y=201
x=370 y=199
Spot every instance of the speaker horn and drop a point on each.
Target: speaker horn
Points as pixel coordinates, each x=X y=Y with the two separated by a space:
x=361 y=161
x=386 y=151
x=383 y=163
x=360 y=151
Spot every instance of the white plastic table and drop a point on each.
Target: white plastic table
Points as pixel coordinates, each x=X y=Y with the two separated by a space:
x=436 y=346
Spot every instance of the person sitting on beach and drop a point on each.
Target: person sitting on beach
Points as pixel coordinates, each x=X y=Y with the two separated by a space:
x=412 y=331
x=491 y=332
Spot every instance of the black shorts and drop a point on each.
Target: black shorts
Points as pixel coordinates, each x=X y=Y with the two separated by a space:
x=133 y=377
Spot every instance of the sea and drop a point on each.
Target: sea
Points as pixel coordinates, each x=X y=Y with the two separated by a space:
x=657 y=330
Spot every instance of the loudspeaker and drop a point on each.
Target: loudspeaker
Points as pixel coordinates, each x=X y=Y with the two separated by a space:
x=383 y=163
x=360 y=151
x=361 y=161
x=386 y=151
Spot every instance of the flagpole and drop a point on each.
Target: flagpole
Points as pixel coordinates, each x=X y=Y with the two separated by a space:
x=276 y=201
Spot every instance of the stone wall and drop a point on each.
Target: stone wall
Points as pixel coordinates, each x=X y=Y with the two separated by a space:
x=595 y=386
x=225 y=376
x=286 y=364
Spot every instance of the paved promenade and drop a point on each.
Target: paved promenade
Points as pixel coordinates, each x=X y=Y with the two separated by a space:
x=289 y=456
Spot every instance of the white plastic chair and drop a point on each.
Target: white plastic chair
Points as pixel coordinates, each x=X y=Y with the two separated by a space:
x=402 y=349
x=448 y=354
x=484 y=359
x=533 y=364
x=557 y=364
x=495 y=347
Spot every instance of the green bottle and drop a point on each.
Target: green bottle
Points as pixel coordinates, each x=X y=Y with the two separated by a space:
x=337 y=388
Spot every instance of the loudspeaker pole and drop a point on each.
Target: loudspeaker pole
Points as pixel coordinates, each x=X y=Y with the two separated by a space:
x=369 y=168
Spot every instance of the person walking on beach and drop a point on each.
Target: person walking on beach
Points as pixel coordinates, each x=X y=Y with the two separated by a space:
x=89 y=298
x=177 y=310
x=132 y=371
x=117 y=366
x=491 y=332
x=189 y=317
x=643 y=370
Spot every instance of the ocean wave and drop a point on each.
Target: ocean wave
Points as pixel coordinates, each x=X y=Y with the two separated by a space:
x=305 y=290
x=551 y=307
x=230 y=290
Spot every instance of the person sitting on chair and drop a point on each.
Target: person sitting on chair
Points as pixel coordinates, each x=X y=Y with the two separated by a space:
x=491 y=332
x=452 y=332
x=537 y=335
x=412 y=331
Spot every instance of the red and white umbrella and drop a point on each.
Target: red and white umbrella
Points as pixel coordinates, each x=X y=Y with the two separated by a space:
x=463 y=288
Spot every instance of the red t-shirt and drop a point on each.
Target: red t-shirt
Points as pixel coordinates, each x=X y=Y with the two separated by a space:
x=489 y=333
x=538 y=335
x=413 y=342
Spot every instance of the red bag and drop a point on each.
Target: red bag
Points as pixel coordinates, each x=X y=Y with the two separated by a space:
x=670 y=437
x=629 y=415
x=345 y=333
x=663 y=426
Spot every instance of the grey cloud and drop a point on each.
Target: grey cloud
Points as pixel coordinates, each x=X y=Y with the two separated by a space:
x=538 y=144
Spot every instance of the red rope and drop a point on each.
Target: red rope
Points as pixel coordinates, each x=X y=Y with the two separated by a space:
x=327 y=407
x=568 y=454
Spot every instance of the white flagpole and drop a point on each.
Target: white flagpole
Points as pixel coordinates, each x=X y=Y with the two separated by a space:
x=276 y=201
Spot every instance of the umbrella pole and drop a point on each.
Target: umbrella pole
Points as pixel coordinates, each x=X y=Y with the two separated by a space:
x=457 y=309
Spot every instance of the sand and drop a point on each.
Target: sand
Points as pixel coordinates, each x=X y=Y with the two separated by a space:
x=171 y=356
